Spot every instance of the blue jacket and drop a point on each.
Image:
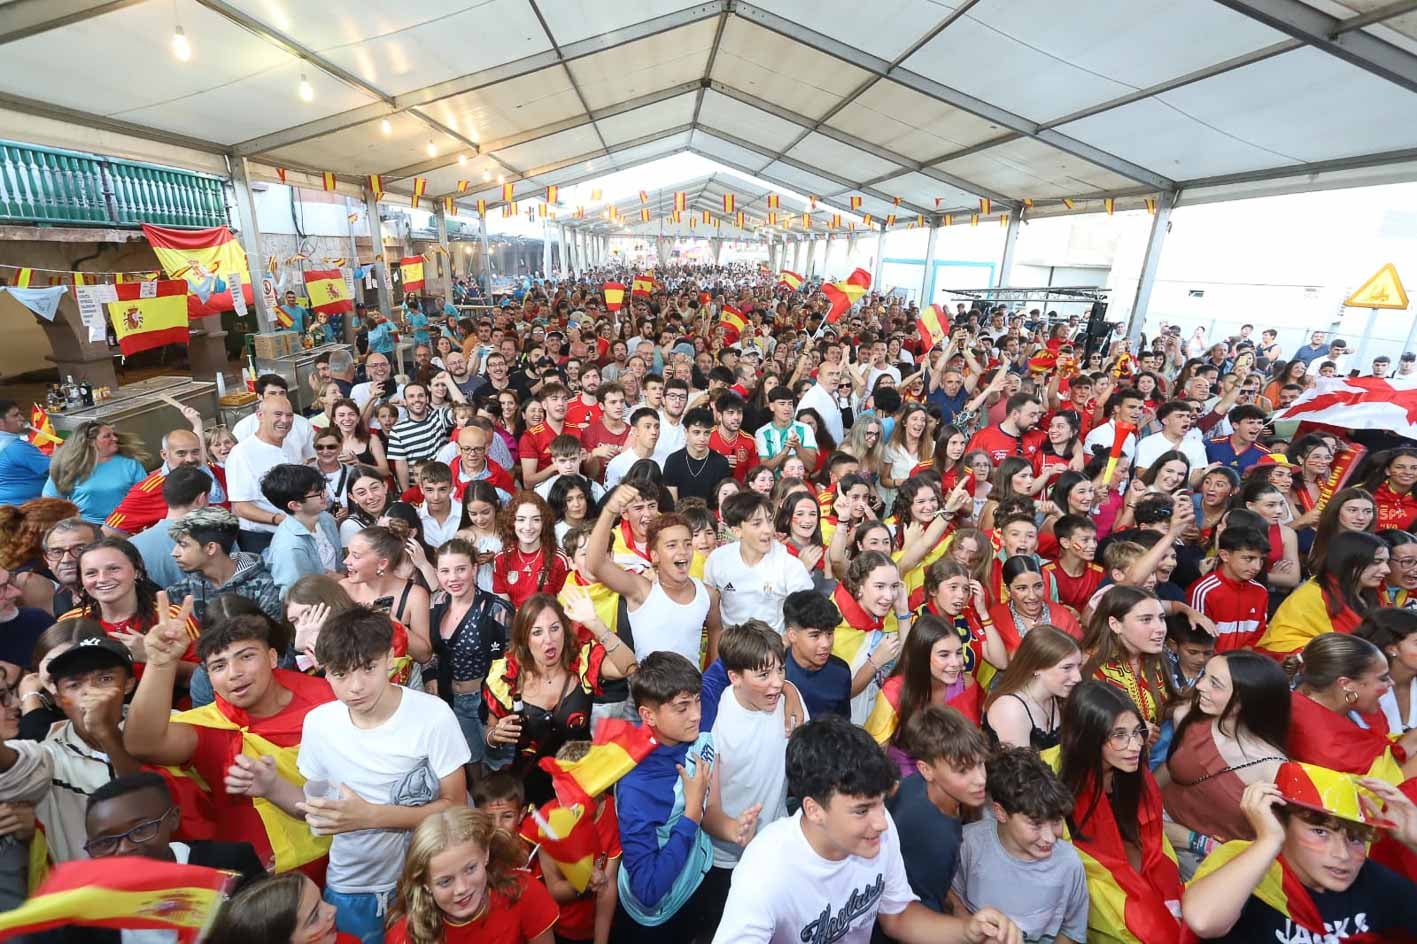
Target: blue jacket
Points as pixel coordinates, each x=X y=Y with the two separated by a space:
x=293 y=553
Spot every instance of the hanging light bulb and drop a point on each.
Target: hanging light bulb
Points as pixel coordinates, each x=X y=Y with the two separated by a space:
x=501 y=179
x=387 y=127
x=432 y=148
x=307 y=91
x=462 y=159
x=180 y=47
x=486 y=176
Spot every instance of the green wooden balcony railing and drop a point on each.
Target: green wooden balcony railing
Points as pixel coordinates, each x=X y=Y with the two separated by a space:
x=70 y=188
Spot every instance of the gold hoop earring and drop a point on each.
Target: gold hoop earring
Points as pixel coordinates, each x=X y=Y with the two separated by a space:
x=1350 y=696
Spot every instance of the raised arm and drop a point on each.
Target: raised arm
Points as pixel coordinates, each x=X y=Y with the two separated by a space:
x=148 y=733
x=632 y=587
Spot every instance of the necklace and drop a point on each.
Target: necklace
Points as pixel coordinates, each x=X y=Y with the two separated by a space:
x=703 y=464
x=1022 y=622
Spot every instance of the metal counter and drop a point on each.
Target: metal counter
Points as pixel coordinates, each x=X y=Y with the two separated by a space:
x=135 y=408
x=296 y=369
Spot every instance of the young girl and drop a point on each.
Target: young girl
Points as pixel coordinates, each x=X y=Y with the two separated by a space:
x=799 y=522
x=367 y=493
x=761 y=480
x=1025 y=703
x=1028 y=605
x=1124 y=642
x=529 y=561
x=571 y=503
x=1014 y=477
x=948 y=459
x=479 y=528
x=372 y=557
x=462 y=883
x=281 y=909
x=219 y=446
x=359 y=445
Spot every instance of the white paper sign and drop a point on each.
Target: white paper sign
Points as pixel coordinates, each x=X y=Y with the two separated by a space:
x=238 y=294
x=147 y=290
x=268 y=291
x=91 y=299
x=348 y=273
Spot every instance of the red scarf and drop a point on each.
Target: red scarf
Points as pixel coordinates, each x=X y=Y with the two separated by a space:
x=628 y=534
x=852 y=613
x=795 y=551
x=1318 y=735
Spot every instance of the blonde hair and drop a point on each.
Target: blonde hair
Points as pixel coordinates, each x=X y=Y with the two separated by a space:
x=434 y=836
x=75 y=460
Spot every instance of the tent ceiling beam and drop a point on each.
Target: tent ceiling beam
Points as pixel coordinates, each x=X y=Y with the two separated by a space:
x=1313 y=27
x=74 y=116
x=565 y=67
x=712 y=58
x=1376 y=15
x=20 y=19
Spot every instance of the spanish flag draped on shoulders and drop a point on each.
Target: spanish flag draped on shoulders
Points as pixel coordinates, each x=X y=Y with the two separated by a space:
x=223 y=732
x=857 y=636
x=1320 y=735
x=1128 y=905
x=1309 y=611
x=885 y=717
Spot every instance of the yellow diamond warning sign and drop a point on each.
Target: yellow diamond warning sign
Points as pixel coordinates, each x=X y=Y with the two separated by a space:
x=1383 y=290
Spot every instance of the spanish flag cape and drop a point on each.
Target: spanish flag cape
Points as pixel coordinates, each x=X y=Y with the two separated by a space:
x=124 y=892
x=616 y=748
x=970 y=629
x=278 y=737
x=1319 y=735
x=1279 y=889
x=1129 y=906
x=854 y=633
x=1308 y=612
x=885 y=717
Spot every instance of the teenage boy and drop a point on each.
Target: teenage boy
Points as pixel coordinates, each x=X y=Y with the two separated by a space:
x=307 y=541
x=1188 y=649
x=824 y=679
x=644 y=436
x=661 y=805
x=833 y=869
x=535 y=452
x=671 y=419
x=81 y=753
x=729 y=440
x=750 y=578
x=692 y=472
x=605 y=437
x=567 y=454
x=1015 y=858
x=256 y=718
x=1074 y=575
x=784 y=437
x=184 y=489
x=206 y=554
x=440 y=512
x=931 y=803
x=1240 y=449
x=1230 y=595
x=387 y=758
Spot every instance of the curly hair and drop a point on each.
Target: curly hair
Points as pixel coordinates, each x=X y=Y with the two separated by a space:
x=22 y=528
x=506 y=520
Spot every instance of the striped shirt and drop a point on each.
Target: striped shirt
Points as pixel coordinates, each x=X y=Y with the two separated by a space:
x=415 y=440
x=771 y=440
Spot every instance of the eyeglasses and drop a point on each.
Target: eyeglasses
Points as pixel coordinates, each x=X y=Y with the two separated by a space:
x=1403 y=562
x=472 y=450
x=327 y=448
x=59 y=553
x=314 y=495
x=1122 y=739
x=142 y=833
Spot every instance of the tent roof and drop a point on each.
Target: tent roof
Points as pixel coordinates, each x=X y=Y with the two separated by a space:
x=931 y=103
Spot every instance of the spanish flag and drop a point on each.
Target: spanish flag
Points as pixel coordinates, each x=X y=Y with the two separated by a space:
x=1151 y=205
x=411 y=268
x=728 y=203
x=740 y=220
x=642 y=286
x=732 y=321
x=790 y=279
x=463 y=186
x=836 y=221
x=1003 y=219
x=773 y=201
x=617 y=747
x=42 y=435
x=614 y=295
x=644 y=196
x=450 y=206
x=552 y=192
x=507 y=191
x=482 y=208
x=328 y=179
x=644 y=214
x=125 y=892
x=328 y=291
x=1067 y=202
x=420 y=184
x=947 y=219
x=890 y=220
x=866 y=220
x=280 y=172
x=846 y=293
x=855 y=203
x=933 y=326
x=595 y=195
x=205 y=259
x=1119 y=444
x=1109 y=204
x=984 y=206
x=568 y=836
x=23 y=278
x=772 y=219
x=149 y=314
x=1280 y=889
x=681 y=201
x=885 y=714
x=376 y=186
x=806 y=221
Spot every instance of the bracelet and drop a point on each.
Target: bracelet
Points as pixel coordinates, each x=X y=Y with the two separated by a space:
x=904 y=616
x=32 y=695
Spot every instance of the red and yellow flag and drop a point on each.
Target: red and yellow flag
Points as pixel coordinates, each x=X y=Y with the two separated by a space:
x=855 y=203
x=205 y=259
x=568 y=836
x=836 y=221
x=728 y=203
x=482 y=208
x=790 y=279
x=328 y=291
x=1109 y=204
x=732 y=321
x=420 y=184
x=1151 y=205
x=681 y=201
x=595 y=195
x=42 y=435
x=376 y=186
x=947 y=219
x=614 y=295
x=813 y=201
x=280 y=172
x=933 y=326
x=642 y=286
x=23 y=278
x=143 y=320
x=890 y=219
x=616 y=748
x=328 y=180
x=507 y=191
x=739 y=219
x=866 y=220
x=127 y=892
x=845 y=293
x=411 y=268
x=984 y=206
x=773 y=201
x=644 y=214
x=644 y=196
x=463 y=186
x=450 y=206
x=806 y=221
x=708 y=217
x=772 y=219
x=552 y=192
x=1067 y=202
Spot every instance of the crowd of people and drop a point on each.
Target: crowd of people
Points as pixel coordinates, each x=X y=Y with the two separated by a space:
x=1005 y=634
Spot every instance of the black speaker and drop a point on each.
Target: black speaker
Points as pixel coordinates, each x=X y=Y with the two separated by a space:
x=1099 y=331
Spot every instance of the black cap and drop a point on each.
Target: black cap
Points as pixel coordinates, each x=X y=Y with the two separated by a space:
x=89 y=654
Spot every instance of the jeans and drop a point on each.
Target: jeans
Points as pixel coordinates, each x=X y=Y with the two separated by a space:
x=361 y=914
x=465 y=709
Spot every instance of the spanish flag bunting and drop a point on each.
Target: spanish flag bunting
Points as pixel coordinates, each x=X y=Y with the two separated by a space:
x=895 y=201
x=738 y=219
x=728 y=203
x=681 y=201
x=328 y=179
x=890 y=220
x=1151 y=205
x=508 y=190
x=772 y=219
x=614 y=295
x=541 y=210
x=149 y=314
x=855 y=203
x=420 y=184
x=42 y=435
x=644 y=196
x=1028 y=202
x=79 y=279
x=866 y=220
x=933 y=326
x=450 y=206
x=948 y=219
x=271 y=264
x=568 y=835
x=1109 y=204
x=790 y=279
x=123 y=892
x=974 y=219
x=984 y=206
x=642 y=286
x=482 y=208
x=674 y=217
x=618 y=746
x=376 y=186
x=938 y=201
x=1003 y=219
x=463 y=186
x=773 y=201
x=411 y=269
x=692 y=221
x=553 y=192
x=513 y=207
x=353 y=217
x=717 y=222
x=836 y=221
x=644 y=214
x=328 y=291
x=920 y=220
x=851 y=225
x=595 y=194
x=23 y=278
x=845 y=293
x=1067 y=202
x=708 y=217
x=280 y=173
x=580 y=213
x=732 y=322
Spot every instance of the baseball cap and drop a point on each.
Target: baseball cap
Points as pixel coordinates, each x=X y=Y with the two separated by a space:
x=89 y=654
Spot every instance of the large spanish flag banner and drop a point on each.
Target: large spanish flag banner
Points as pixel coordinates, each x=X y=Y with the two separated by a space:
x=790 y=279
x=411 y=267
x=846 y=293
x=616 y=748
x=204 y=259
x=328 y=291
x=932 y=325
x=642 y=286
x=126 y=892
x=149 y=314
x=614 y=295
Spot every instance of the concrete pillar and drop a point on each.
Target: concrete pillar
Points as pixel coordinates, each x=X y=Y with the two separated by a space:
x=1160 y=225
x=445 y=262
x=486 y=260
x=927 y=281
x=880 y=261
x=381 y=266
x=1006 y=265
x=251 y=240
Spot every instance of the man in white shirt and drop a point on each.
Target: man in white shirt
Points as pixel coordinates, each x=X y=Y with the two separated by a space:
x=750 y=578
x=302 y=435
x=1124 y=406
x=830 y=871
x=252 y=458
x=440 y=512
x=821 y=397
x=672 y=436
x=644 y=436
x=1177 y=433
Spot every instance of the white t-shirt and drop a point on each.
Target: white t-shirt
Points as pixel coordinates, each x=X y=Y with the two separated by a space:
x=751 y=766
x=247 y=462
x=1104 y=435
x=399 y=762
x=302 y=434
x=672 y=438
x=1152 y=447
x=360 y=394
x=755 y=592
x=784 y=891
x=618 y=466
x=435 y=535
x=822 y=401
